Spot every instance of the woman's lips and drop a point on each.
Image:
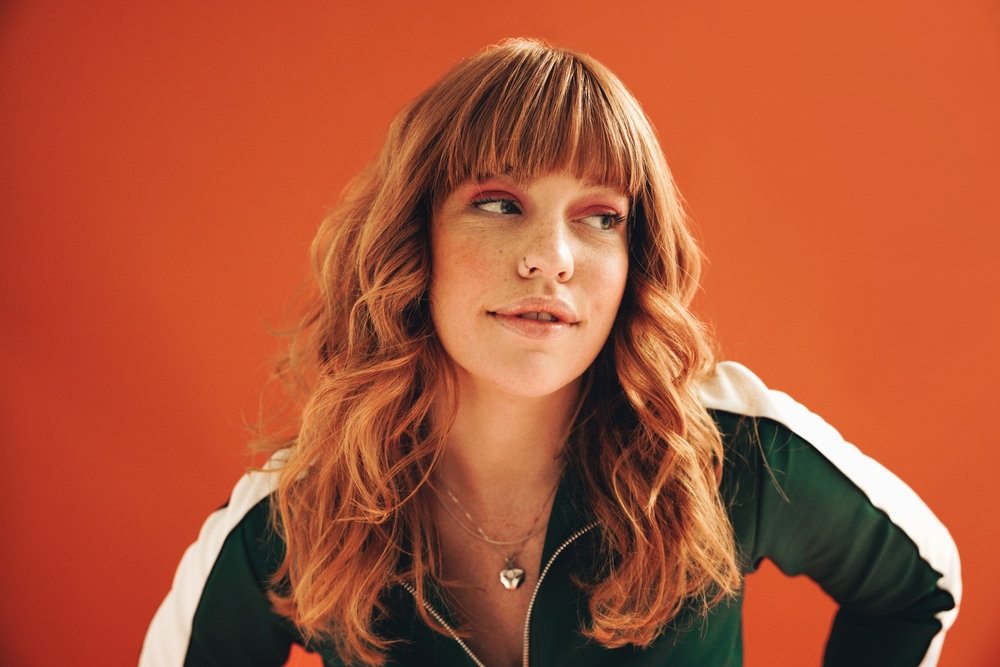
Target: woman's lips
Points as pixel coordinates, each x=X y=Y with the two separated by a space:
x=531 y=327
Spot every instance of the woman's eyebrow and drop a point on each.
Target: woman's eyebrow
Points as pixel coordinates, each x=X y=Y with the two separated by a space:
x=594 y=185
x=602 y=190
x=500 y=179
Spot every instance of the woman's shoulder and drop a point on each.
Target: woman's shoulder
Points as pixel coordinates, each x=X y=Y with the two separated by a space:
x=225 y=574
x=744 y=407
x=801 y=495
x=247 y=512
x=756 y=421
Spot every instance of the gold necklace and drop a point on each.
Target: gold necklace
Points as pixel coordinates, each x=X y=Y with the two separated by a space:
x=511 y=576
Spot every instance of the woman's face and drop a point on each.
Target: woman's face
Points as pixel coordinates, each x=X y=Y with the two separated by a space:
x=527 y=279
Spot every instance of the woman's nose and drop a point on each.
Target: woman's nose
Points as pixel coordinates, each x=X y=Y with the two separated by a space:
x=547 y=250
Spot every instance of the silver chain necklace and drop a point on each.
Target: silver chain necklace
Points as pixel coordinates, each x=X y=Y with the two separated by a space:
x=511 y=576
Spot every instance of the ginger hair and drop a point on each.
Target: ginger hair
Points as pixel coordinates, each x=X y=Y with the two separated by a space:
x=364 y=364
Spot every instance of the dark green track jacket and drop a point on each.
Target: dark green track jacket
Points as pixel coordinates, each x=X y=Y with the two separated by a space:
x=797 y=494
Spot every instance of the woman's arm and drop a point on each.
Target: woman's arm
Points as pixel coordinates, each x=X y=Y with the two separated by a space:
x=822 y=508
x=817 y=521
x=217 y=611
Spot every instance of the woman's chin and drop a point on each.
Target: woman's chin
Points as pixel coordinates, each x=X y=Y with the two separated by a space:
x=523 y=382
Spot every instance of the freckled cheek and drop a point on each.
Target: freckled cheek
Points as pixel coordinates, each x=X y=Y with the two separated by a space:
x=611 y=300
x=608 y=276
x=465 y=261
x=463 y=275
x=476 y=259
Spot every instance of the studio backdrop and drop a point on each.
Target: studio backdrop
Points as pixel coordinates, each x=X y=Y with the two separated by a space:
x=163 y=167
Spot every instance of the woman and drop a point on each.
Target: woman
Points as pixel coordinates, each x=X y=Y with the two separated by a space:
x=515 y=445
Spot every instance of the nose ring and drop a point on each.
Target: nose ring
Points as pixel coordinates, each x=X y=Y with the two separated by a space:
x=525 y=260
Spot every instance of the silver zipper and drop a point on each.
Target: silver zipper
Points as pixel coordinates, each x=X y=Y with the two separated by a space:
x=440 y=619
x=527 y=620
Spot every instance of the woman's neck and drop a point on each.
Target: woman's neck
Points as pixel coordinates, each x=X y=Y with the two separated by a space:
x=504 y=450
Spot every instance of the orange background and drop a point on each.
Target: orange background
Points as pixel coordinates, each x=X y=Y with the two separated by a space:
x=162 y=170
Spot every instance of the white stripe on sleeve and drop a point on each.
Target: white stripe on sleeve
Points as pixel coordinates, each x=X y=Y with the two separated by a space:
x=735 y=389
x=169 y=633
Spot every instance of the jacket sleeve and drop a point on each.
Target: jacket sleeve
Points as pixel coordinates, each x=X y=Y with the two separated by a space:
x=813 y=519
x=824 y=509
x=217 y=611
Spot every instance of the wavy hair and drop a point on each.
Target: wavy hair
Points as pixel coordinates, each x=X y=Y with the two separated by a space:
x=364 y=363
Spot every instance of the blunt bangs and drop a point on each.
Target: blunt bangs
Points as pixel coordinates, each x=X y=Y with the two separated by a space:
x=524 y=110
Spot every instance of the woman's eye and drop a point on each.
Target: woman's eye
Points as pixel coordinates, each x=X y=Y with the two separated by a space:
x=604 y=220
x=502 y=206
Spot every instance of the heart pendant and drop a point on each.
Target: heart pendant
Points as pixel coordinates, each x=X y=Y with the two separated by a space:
x=511 y=578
